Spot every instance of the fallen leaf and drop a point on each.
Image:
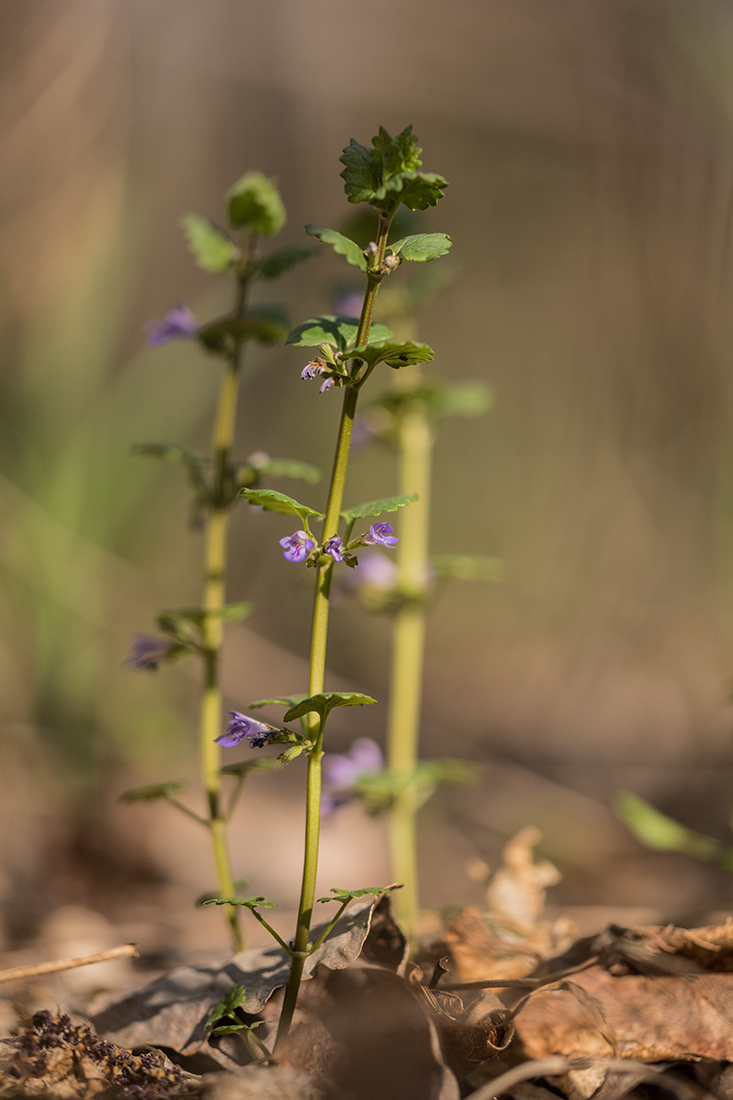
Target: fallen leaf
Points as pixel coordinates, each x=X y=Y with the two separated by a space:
x=171 y=1012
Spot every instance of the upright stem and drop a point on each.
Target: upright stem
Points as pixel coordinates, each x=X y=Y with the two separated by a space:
x=415 y=443
x=319 y=640
x=215 y=561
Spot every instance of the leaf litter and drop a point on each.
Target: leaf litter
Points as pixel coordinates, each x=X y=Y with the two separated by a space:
x=504 y=1003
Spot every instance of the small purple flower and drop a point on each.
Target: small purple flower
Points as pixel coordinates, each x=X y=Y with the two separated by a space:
x=342 y=771
x=380 y=534
x=147 y=652
x=335 y=547
x=375 y=569
x=297 y=547
x=257 y=733
x=178 y=324
x=327 y=384
x=312 y=370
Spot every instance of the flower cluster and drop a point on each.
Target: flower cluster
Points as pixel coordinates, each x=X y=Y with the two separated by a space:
x=258 y=734
x=297 y=547
x=325 y=366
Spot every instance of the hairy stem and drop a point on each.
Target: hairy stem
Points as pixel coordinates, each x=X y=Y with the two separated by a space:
x=319 y=641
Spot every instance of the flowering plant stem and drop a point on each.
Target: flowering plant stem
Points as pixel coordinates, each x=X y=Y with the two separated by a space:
x=403 y=726
x=215 y=562
x=319 y=639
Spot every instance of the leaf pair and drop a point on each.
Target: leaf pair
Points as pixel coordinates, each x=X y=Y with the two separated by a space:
x=340 y=333
x=273 y=501
x=420 y=248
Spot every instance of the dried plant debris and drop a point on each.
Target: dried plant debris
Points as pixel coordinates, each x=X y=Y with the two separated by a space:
x=172 y=1012
x=510 y=938
x=376 y=1040
x=56 y=1059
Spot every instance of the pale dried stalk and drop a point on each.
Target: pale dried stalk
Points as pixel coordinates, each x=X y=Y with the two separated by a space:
x=126 y=951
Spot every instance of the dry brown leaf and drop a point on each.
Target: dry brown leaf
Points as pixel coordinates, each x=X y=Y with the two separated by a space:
x=382 y=1043
x=171 y=1012
x=476 y=951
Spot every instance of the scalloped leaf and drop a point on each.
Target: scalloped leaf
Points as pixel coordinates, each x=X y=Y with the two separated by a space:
x=396 y=154
x=376 y=507
x=395 y=353
x=360 y=175
x=421 y=248
x=255 y=205
x=212 y=248
x=257 y=902
x=347 y=895
x=277 y=263
x=417 y=190
x=332 y=329
x=342 y=245
x=272 y=501
x=232 y=999
x=154 y=791
x=326 y=701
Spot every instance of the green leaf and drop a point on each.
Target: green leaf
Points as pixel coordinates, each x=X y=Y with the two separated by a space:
x=285 y=701
x=232 y=999
x=236 y=612
x=326 y=701
x=235 y=1029
x=154 y=791
x=347 y=895
x=332 y=329
x=239 y=771
x=417 y=190
x=246 y=903
x=272 y=501
x=170 y=453
x=255 y=205
x=397 y=154
x=466 y=567
x=664 y=834
x=376 y=507
x=361 y=174
x=213 y=249
x=289 y=467
x=422 y=247
x=395 y=353
x=340 y=244
x=265 y=324
x=281 y=261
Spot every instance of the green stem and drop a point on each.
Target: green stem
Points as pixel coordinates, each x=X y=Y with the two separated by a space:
x=319 y=640
x=215 y=562
x=415 y=443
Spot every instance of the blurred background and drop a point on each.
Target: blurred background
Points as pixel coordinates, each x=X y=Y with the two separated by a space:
x=589 y=153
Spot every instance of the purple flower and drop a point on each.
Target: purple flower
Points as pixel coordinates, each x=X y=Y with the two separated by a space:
x=312 y=370
x=178 y=324
x=147 y=652
x=297 y=547
x=380 y=534
x=327 y=384
x=335 y=548
x=375 y=569
x=342 y=771
x=257 y=733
